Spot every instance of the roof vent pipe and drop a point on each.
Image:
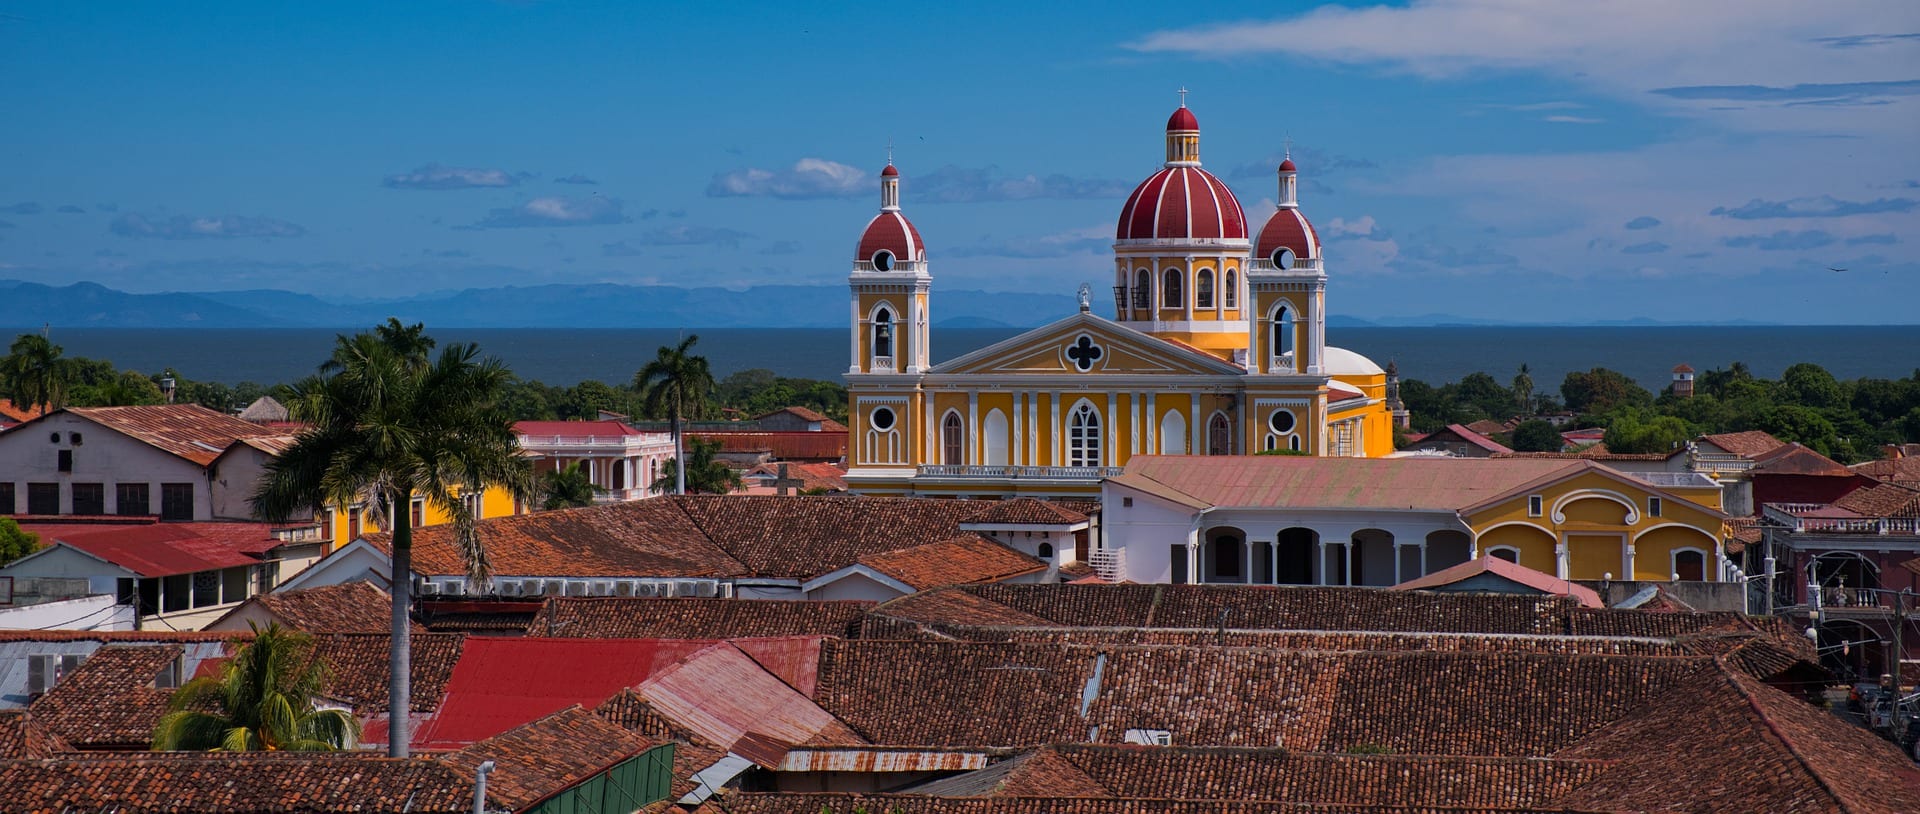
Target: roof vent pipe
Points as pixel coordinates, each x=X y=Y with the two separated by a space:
x=480 y=786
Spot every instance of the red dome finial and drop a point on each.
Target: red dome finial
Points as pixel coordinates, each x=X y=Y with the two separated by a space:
x=889 y=171
x=1182 y=119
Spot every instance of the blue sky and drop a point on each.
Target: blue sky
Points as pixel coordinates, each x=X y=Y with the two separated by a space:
x=1702 y=160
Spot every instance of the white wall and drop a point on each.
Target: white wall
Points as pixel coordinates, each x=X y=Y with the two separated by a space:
x=103 y=456
x=236 y=476
x=855 y=586
x=95 y=612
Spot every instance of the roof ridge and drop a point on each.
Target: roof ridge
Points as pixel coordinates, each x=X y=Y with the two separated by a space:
x=1786 y=742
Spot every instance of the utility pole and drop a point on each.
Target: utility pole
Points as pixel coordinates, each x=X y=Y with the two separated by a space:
x=1899 y=650
x=1766 y=538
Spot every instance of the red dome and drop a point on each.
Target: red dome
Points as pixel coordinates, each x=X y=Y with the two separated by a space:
x=1182 y=119
x=1287 y=166
x=1287 y=228
x=890 y=231
x=889 y=171
x=1182 y=202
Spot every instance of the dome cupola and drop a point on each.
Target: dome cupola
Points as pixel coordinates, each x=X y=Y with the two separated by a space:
x=1287 y=237
x=889 y=238
x=1182 y=201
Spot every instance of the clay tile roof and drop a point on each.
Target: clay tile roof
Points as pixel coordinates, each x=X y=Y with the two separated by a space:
x=1882 y=500
x=1476 y=435
x=11 y=413
x=791 y=446
x=1794 y=459
x=1040 y=773
x=235 y=783
x=1026 y=511
x=693 y=618
x=1539 y=581
x=641 y=538
x=803 y=413
x=350 y=607
x=548 y=755
x=538 y=430
x=1904 y=471
x=189 y=431
x=691 y=752
x=1487 y=426
x=24 y=737
x=955 y=561
x=357 y=668
x=1749 y=443
x=805 y=537
x=110 y=700
x=831 y=477
x=1797 y=757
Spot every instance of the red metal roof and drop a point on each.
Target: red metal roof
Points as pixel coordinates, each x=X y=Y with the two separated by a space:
x=727 y=696
x=1182 y=202
x=1287 y=227
x=1182 y=119
x=502 y=683
x=893 y=232
x=574 y=429
x=167 y=549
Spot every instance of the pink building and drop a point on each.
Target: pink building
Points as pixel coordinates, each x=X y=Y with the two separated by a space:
x=621 y=460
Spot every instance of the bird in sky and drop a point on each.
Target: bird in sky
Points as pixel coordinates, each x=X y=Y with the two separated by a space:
x=1830 y=268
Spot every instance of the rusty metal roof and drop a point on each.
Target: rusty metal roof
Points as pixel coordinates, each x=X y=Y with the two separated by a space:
x=189 y=431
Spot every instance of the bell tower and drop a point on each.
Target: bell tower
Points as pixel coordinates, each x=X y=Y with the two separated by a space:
x=890 y=285
x=1289 y=331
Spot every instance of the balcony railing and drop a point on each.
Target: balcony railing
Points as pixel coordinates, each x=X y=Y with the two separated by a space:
x=1788 y=515
x=1721 y=462
x=1075 y=473
x=898 y=265
x=621 y=441
x=1109 y=563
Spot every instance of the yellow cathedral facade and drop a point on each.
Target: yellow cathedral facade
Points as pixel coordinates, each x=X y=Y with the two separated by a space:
x=1218 y=347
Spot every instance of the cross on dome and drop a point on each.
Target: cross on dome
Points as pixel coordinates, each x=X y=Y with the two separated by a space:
x=1183 y=95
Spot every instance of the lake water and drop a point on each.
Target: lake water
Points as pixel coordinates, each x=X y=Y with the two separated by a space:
x=1435 y=355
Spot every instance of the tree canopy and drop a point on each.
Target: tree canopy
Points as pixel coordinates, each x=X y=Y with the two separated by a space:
x=16 y=542
x=261 y=701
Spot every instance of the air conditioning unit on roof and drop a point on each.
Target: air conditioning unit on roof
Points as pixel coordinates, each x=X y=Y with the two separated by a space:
x=706 y=589
x=623 y=588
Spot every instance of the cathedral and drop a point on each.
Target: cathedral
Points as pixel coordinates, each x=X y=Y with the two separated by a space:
x=1218 y=347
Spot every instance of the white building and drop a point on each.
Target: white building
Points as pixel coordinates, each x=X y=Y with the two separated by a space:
x=619 y=459
x=178 y=462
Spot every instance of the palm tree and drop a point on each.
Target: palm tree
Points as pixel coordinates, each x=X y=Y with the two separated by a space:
x=34 y=374
x=262 y=701
x=569 y=487
x=703 y=475
x=676 y=382
x=387 y=425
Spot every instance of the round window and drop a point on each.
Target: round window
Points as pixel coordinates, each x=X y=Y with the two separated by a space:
x=1283 y=258
x=1281 y=421
x=883 y=260
x=882 y=419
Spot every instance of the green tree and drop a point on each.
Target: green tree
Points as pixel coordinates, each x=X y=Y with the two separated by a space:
x=388 y=424
x=35 y=374
x=676 y=382
x=16 y=542
x=1535 y=435
x=1806 y=425
x=1638 y=431
x=262 y=701
x=1483 y=393
x=124 y=389
x=705 y=475
x=1811 y=385
x=1601 y=390
x=1523 y=390
x=567 y=488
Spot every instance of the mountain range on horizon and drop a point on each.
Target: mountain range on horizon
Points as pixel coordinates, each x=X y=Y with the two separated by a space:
x=26 y=304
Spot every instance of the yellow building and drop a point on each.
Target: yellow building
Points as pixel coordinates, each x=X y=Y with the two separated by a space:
x=1218 y=348
x=340 y=527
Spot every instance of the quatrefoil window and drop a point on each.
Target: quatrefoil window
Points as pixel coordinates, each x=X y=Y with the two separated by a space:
x=1084 y=353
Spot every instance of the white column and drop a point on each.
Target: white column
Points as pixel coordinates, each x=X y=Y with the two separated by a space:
x=972 y=441
x=1133 y=412
x=1153 y=427
x=1196 y=428
x=1349 y=574
x=1018 y=455
x=1629 y=572
x=1059 y=431
x=853 y=366
x=1321 y=577
x=1033 y=428
x=1560 y=559
x=910 y=359
x=1423 y=558
x=929 y=440
x=1110 y=426
x=1397 y=576
x=1246 y=546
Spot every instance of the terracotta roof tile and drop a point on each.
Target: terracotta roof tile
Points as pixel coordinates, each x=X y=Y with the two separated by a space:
x=691 y=618
x=959 y=560
x=691 y=753
x=24 y=737
x=1026 y=511
x=1794 y=459
x=1882 y=500
x=1750 y=443
x=805 y=537
x=350 y=607
x=109 y=702
x=1674 y=753
x=830 y=477
x=641 y=538
x=999 y=695
x=189 y=431
x=557 y=752
x=11 y=413
x=233 y=783
x=846 y=803
x=1904 y=471
x=801 y=445
x=357 y=668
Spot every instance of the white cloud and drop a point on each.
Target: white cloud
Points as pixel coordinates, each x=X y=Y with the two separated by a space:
x=557 y=211
x=440 y=177
x=1572 y=119
x=1626 y=47
x=807 y=178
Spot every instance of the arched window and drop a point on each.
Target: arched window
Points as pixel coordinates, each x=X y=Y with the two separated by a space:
x=1219 y=435
x=1293 y=443
x=993 y=437
x=1046 y=551
x=1203 y=290
x=1170 y=289
x=953 y=449
x=1232 y=294
x=883 y=333
x=1282 y=340
x=1143 y=289
x=1083 y=437
x=1173 y=434
x=1505 y=552
x=1690 y=564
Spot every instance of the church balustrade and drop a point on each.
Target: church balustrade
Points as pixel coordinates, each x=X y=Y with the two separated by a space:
x=1087 y=473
